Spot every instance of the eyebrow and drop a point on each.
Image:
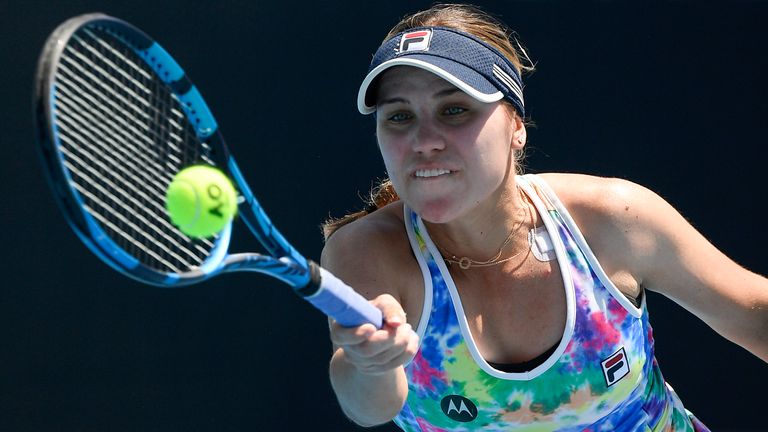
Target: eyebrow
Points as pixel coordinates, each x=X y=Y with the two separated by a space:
x=442 y=93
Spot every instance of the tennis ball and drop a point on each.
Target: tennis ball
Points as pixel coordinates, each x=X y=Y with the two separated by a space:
x=201 y=201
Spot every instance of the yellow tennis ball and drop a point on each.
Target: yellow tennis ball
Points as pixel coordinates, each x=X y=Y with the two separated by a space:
x=201 y=201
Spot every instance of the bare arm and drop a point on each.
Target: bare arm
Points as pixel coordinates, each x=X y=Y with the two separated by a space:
x=366 y=368
x=691 y=271
x=635 y=229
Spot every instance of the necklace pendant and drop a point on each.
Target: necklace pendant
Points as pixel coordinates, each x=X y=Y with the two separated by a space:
x=465 y=263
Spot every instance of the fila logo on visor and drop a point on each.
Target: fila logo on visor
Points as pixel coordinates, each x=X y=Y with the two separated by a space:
x=415 y=41
x=615 y=367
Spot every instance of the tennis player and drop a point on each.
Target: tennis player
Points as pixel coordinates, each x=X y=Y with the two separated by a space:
x=511 y=301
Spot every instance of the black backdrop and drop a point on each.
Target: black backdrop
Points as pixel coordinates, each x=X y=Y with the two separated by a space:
x=671 y=95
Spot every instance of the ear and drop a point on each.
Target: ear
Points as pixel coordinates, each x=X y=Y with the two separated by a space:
x=519 y=133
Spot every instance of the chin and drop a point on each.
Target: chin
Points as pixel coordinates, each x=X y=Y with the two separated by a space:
x=436 y=212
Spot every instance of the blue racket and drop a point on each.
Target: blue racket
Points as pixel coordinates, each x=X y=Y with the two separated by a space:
x=117 y=119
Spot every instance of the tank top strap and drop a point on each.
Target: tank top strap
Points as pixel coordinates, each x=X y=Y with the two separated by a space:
x=602 y=376
x=537 y=189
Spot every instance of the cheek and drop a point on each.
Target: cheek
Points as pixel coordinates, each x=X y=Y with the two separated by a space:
x=392 y=157
x=491 y=161
x=493 y=172
x=386 y=151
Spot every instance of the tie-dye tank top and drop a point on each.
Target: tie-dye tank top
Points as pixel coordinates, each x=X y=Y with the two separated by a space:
x=601 y=377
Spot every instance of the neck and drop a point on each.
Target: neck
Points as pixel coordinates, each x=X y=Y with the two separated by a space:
x=481 y=234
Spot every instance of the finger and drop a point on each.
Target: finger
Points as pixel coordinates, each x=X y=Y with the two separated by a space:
x=391 y=310
x=405 y=342
x=398 y=360
x=383 y=351
x=345 y=336
x=380 y=341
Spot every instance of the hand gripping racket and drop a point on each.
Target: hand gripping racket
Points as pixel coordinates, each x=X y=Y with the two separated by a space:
x=117 y=118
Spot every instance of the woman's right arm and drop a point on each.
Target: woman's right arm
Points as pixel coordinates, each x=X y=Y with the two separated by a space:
x=366 y=369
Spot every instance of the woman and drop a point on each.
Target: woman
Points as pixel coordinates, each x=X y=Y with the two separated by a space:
x=510 y=301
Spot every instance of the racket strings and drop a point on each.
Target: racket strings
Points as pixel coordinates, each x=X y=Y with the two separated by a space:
x=123 y=136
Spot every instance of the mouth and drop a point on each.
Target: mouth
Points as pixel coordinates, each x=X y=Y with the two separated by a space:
x=431 y=173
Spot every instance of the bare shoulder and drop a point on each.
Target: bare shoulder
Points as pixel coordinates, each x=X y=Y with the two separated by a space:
x=372 y=253
x=634 y=231
x=641 y=239
x=599 y=203
x=602 y=195
x=621 y=221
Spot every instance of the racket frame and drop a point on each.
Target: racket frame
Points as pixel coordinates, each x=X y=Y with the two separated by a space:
x=284 y=262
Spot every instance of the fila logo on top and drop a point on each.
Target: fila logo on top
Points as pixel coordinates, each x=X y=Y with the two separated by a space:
x=415 y=41
x=615 y=367
x=459 y=408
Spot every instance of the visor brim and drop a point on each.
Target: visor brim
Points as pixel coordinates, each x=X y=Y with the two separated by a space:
x=464 y=78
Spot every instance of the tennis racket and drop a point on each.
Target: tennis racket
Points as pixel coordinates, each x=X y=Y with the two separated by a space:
x=117 y=118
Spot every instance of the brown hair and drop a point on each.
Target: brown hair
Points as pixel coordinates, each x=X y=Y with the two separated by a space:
x=469 y=19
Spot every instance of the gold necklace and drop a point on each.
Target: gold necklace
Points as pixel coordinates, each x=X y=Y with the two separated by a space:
x=466 y=263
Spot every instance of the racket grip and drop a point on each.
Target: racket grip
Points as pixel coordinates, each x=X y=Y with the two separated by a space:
x=338 y=300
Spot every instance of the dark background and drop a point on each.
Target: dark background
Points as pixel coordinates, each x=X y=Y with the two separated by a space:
x=671 y=95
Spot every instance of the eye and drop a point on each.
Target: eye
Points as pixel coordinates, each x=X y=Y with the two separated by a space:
x=398 y=117
x=454 y=110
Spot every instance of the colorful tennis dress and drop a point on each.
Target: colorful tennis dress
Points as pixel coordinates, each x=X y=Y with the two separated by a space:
x=601 y=377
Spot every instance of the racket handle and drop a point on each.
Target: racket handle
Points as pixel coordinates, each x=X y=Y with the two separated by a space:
x=338 y=300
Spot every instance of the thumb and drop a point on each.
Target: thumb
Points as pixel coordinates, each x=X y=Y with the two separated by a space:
x=391 y=310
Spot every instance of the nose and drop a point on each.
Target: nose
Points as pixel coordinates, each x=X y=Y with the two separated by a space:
x=427 y=138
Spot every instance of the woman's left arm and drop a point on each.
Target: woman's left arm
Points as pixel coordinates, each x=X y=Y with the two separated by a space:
x=668 y=255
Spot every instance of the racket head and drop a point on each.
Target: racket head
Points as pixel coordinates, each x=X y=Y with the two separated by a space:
x=117 y=118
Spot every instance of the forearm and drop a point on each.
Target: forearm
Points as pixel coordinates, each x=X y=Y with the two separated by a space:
x=743 y=317
x=753 y=335
x=757 y=313
x=367 y=399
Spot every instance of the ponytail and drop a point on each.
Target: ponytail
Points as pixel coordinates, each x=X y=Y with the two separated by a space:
x=379 y=196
